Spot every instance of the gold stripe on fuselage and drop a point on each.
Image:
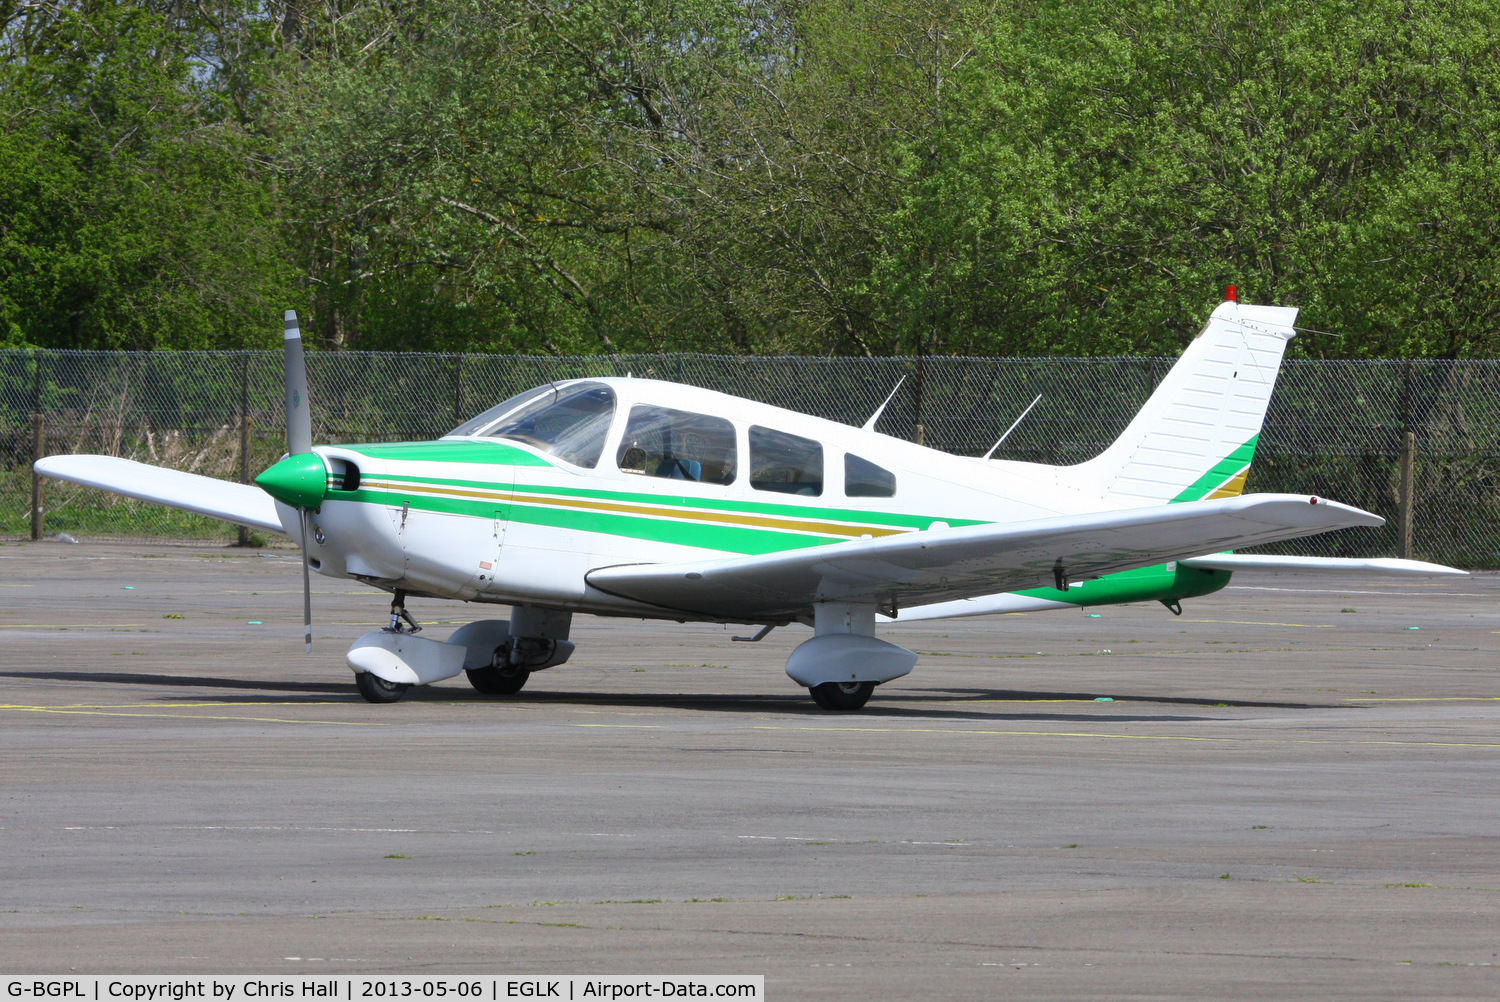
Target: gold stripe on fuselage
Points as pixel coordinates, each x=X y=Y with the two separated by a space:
x=726 y=518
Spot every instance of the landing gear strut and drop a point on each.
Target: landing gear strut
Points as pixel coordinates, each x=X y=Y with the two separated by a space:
x=401 y=621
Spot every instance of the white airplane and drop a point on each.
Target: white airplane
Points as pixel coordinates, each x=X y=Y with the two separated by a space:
x=640 y=498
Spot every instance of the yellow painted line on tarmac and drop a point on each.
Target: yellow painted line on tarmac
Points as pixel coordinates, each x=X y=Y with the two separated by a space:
x=1242 y=622
x=1421 y=699
x=629 y=727
x=1090 y=700
x=59 y=626
x=286 y=591
x=100 y=711
x=425 y=623
x=1129 y=737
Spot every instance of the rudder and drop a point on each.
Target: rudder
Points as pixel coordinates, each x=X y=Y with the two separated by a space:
x=1195 y=437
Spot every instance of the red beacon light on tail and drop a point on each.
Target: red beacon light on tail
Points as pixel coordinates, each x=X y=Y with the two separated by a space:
x=1231 y=295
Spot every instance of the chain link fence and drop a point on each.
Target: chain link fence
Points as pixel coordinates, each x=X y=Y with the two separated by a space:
x=1334 y=428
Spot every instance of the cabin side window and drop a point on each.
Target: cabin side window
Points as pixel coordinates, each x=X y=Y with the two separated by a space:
x=570 y=423
x=677 y=445
x=787 y=464
x=863 y=479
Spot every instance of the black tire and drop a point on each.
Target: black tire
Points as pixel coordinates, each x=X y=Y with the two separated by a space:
x=378 y=690
x=842 y=695
x=496 y=681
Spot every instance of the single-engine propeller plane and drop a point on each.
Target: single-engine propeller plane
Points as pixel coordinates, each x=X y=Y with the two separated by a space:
x=640 y=498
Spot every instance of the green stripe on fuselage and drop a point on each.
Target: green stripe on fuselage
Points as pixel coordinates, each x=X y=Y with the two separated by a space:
x=729 y=539
x=458 y=451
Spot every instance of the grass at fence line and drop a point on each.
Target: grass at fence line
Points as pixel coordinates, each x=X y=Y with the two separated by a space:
x=82 y=512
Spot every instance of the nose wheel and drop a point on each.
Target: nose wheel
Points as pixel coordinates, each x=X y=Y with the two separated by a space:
x=378 y=690
x=374 y=688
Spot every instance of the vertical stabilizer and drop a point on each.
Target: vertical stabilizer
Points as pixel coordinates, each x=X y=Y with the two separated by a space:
x=1195 y=437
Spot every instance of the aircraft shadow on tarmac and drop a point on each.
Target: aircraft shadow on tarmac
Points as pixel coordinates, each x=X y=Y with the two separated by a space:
x=925 y=703
x=196 y=681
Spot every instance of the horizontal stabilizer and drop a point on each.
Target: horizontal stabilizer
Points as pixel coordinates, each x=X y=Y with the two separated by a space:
x=1365 y=565
x=241 y=504
x=983 y=605
x=987 y=605
x=937 y=565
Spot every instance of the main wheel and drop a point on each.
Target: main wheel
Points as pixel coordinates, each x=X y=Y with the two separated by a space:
x=497 y=681
x=842 y=695
x=378 y=690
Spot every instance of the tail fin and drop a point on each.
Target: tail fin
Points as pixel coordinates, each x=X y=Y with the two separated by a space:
x=1195 y=437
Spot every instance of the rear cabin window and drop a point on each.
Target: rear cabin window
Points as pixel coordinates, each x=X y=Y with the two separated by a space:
x=787 y=464
x=677 y=445
x=569 y=423
x=863 y=479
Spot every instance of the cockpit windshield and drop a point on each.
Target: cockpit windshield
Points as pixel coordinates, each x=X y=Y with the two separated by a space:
x=569 y=422
x=479 y=422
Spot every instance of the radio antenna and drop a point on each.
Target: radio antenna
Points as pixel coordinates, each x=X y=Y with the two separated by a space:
x=1012 y=428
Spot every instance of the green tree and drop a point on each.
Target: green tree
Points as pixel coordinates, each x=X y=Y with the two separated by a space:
x=133 y=213
x=1108 y=167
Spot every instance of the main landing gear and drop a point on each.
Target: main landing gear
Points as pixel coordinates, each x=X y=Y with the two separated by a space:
x=533 y=639
x=499 y=679
x=842 y=695
x=844 y=662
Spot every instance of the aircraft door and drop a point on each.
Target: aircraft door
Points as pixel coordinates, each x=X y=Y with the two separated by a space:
x=489 y=560
x=493 y=511
x=452 y=530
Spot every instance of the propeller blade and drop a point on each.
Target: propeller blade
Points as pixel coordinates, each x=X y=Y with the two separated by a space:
x=306 y=589
x=298 y=415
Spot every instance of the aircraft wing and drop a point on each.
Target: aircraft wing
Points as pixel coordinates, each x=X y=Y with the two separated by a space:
x=1392 y=566
x=241 y=504
x=938 y=565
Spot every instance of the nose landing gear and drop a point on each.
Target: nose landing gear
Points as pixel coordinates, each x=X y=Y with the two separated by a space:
x=398 y=653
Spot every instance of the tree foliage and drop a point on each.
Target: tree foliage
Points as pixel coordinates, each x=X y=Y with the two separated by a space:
x=133 y=212
x=818 y=176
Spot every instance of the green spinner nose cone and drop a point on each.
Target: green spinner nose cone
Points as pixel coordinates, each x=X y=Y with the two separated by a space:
x=300 y=481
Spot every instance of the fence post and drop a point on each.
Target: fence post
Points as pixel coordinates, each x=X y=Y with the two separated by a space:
x=38 y=446
x=458 y=389
x=244 y=533
x=1408 y=485
x=921 y=371
x=38 y=450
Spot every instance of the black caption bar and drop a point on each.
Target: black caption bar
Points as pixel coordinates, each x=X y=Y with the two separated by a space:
x=313 y=988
